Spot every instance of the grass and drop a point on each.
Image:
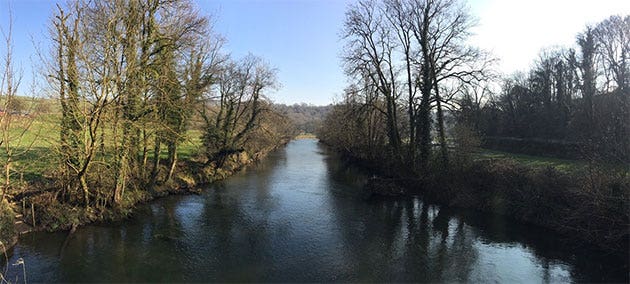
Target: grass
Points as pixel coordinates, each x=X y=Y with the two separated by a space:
x=532 y=161
x=30 y=142
x=33 y=139
x=43 y=133
x=563 y=165
x=305 y=135
x=191 y=145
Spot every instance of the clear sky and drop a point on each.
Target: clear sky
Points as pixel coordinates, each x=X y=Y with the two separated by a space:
x=301 y=37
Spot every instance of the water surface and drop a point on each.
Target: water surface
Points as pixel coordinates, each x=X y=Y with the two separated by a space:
x=299 y=215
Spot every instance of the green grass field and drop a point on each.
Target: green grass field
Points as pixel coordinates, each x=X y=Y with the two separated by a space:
x=30 y=142
x=564 y=165
x=33 y=139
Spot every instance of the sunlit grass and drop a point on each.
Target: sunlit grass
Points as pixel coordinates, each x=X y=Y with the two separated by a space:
x=30 y=141
x=33 y=141
x=305 y=135
x=191 y=145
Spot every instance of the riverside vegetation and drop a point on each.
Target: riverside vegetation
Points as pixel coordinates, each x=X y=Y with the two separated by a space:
x=423 y=104
x=144 y=102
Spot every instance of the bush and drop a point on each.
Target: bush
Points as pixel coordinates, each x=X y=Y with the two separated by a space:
x=590 y=205
x=7 y=230
x=535 y=146
x=467 y=141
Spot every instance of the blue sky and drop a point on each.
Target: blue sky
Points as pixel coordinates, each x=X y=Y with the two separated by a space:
x=301 y=37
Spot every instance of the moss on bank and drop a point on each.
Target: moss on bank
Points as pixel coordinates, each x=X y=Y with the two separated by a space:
x=8 y=234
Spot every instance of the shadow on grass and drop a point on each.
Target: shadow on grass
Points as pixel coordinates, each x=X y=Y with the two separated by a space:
x=30 y=164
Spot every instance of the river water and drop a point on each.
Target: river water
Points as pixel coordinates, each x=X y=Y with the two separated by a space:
x=299 y=215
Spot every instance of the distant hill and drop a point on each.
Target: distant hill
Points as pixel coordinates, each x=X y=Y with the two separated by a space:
x=28 y=105
x=306 y=117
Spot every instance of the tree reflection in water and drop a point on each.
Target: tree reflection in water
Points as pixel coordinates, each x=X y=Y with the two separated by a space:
x=300 y=216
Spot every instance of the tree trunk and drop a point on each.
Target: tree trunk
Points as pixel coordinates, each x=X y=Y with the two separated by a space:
x=424 y=118
x=86 y=191
x=392 y=128
x=412 y=136
x=172 y=159
x=441 y=130
x=121 y=177
x=156 y=159
x=145 y=151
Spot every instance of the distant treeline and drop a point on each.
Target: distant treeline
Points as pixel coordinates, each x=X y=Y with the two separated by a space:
x=306 y=118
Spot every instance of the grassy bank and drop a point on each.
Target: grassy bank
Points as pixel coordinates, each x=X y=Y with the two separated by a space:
x=564 y=165
x=36 y=194
x=52 y=215
x=587 y=203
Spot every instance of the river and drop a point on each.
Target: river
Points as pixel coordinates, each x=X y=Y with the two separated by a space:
x=299 y=215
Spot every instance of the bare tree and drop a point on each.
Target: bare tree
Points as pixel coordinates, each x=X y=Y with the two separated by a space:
x=397 y=13
x=17 y=116
x=128 y=73
x=82 y=79
x=185 y=66
x=613 y=47
x=411 y=46
x=236 y=107
x=370 y=54
x=441 y=28
x=9 y=84
x=587 y=44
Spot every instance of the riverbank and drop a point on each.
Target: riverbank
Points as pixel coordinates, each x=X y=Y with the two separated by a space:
x=264 y=225
x=586 y=205
x=305 y=135
x=51 y=215
x=8 y=234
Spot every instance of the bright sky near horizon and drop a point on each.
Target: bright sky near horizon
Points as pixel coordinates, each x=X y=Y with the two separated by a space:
x=301 y=37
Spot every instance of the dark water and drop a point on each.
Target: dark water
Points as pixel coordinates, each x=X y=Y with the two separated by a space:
x=299 y=216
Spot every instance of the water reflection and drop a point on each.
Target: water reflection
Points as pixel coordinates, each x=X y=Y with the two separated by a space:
x=300 y=216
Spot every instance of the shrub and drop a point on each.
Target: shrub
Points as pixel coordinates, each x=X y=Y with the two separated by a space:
x=7 y=230
x=467 y=141
x=590 y=204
